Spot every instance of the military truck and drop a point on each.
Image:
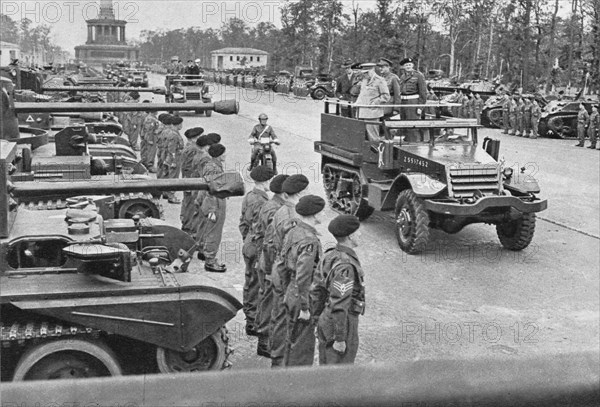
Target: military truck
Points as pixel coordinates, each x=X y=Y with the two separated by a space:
x=432 y=173
x=184 y=88
x=83 y=296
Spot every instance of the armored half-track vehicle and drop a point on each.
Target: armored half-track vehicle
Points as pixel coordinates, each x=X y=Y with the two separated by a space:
x=185 y=88
x=559 y=118
x=432 y=173
x=83 y=296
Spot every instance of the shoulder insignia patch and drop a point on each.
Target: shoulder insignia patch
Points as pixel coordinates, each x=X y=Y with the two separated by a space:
x=343 y=288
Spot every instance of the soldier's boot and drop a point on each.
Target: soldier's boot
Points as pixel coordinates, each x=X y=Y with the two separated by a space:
x=593 y=145
x=276 y=362
x=580 y=144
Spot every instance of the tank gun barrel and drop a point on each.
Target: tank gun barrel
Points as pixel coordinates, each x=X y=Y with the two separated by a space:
x=223 y=107
x=223 y=186
x=158 y=90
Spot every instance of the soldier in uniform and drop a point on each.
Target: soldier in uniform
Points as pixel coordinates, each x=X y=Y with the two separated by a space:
x=294 y=187
x=373 y=91
x=300 y=253
x=536 y=113
x=212 y=213
x=173 y=147
x=594 y=127
x=129 y=121
x=343 y=85
x=506 y=113
x=188 y=154
x=526 y=117
x=151 y=128
x=339 y=294
x=583 y=119
x=165 y=120
x=265 y=263
x=478 y=107
x=520 y=116
x=393 y=82
x=262 y=129
x=251 y=206
x=413 y=90
x=512 y=114
x=464 y=102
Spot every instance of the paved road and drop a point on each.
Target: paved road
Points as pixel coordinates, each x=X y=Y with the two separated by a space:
x=466 y=296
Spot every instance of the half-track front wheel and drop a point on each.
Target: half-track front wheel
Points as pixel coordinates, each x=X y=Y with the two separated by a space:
x=345 y=192
x=517 y=234
x=141 y=207
x=67 y=359
x=210 y=354
x=412 y=222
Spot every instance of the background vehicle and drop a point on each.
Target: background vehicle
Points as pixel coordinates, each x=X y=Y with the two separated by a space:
x=323 y=87
x=432 y=173
x=492 y=115
x=137 y=77
x=184 y=88
x=559 y=118
x=264 y=156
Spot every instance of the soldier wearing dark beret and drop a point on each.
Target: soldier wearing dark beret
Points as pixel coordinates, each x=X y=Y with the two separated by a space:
x=173 y=145
x=294 y=188
x=338 y=295
x=161 y=144
x=151 y=129
x=211 y=213
x=300 y=253
x=265 y=262
x=393 y=82
x=413 y=90
x=213 y=138
x=251 y=206
x=190 y=151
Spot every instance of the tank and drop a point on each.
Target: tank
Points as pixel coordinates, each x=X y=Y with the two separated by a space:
x=559 y=118
x=78 y=152
x=492 y=115
x=433 y=173
x=84 y=296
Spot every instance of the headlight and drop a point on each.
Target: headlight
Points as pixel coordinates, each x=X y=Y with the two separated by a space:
x=507 y=172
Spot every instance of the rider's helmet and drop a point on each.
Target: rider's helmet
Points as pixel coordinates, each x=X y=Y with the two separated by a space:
x=262 y=116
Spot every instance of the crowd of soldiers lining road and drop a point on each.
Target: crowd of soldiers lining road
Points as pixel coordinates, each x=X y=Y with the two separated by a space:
x=521 y=115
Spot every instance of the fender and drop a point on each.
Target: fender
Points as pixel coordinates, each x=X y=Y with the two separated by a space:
x=423 y=185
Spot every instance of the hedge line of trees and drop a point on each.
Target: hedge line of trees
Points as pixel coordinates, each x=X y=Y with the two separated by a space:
x=531 y=43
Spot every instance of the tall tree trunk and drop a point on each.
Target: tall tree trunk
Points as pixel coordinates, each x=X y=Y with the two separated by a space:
x=571 y=39
x=526 y=49
x=551 y=47
x=489 y=55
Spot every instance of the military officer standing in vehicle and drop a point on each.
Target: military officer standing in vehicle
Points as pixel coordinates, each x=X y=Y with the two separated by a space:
x=413 y=90
x=536 y=113
x=212 y=213
x=188 y=154
x=151 y=129
x=373 y=91
x=594 y=127
x=393 y=82
x=339 y=294
x=343 y=85
x=301 y=252
x=173 y=147
x=295 y=188
x=251 y=206
x=265 y=264
x=583 y=119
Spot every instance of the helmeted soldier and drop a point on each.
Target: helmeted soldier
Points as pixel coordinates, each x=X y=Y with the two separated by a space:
x=536 y=113
x=188 y=154
x=262 y=129
x=251 y=206
x=594 y=127
x=393 y=82
x=583 y=118
x=151 y=128
x=265 y=263
x=173 y=147
x=294 y=187
x=338 y=295
x=300 y=253
x=212 y=213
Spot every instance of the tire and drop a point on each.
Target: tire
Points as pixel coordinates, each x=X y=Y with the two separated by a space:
x=412 y=222
x=139 y=206
x=67 y=358
x=319 y=94
x=495 y=118
x=210 y=354
x=517 y=234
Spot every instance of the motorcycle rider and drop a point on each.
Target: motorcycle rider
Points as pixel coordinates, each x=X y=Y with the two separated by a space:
x=262 y=130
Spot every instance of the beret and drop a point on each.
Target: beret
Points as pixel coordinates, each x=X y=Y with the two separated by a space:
x=261 y=173
x=176 y=120
x=294 y=184
x=162 y=116
x=202 y=141
x=386 y=61
x=310 y=205
x=168 y=119
x=216 y=150
x=134 y=94
x=343 y=225
x=406 y=61
x=193 y=132
x=213 y=138
x=277 y=183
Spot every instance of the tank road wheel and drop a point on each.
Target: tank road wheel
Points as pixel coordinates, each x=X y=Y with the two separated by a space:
x=142 y=207
x=359 y=206
x=517 y=234
x=344 y=192
x=210 y=354
x=495 y=118
x=412 y=222
x=67 y=359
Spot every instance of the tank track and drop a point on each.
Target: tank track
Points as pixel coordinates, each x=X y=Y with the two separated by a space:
x=565 y=119
x=19 y=333
x=141 y=195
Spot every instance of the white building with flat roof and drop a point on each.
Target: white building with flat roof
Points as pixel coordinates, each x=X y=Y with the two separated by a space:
x=8 y=52
x=234 y=58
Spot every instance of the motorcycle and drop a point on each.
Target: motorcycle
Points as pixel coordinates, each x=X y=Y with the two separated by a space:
x=264 y=156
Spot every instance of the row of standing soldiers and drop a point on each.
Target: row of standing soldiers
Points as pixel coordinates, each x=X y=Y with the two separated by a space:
x=521 y=115
x=587 y=124
x=291 y=285
x=471 y=104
